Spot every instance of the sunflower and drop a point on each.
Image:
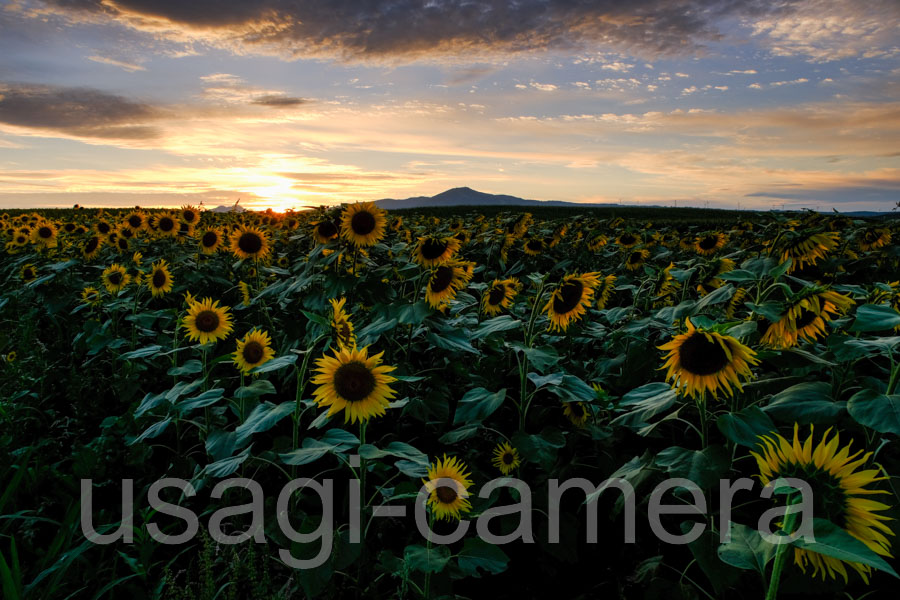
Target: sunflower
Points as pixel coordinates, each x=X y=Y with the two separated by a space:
x=636 y=259
x=253 y=349
x=712 y=281
x=11 y=357
x=28 y=273
x=325 y=231
x=396 y=223
x=628 y=240
x=445 y=282
x=166 y=224
x=604 y=290
x=136 y=221
x=447 y=487
x=506 y=458
x=736 y=302
x=210 y=240
x=805 y=317
x=122 y=244
x=809 y=248
x=363 y=223
x=137 y=258
x=189 y=215
x=115 y=278
x=665 y=288
x=102 y=227
x=839 y=493
x=90 y=296
x=597 y=242
x=245 y=293
x=706 y=361
x=499 y=295
x=874 y=238
x=433 y=251
x=44 y=234
x=709 y=244
x=159 y=280
x=92 y=247
x=341 y=325
x=355 y=383
x=250 y=242
x=534 y=246
x=570 y=300
x=577 y=412
x=206 y=321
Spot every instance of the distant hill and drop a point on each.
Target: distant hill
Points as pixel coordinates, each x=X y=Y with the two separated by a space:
x=464 y=196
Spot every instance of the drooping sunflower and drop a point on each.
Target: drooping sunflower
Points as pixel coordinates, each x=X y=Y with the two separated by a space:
x=28 y=273
x=736 y=302
x=577 y=412
x=712 y=281
x=597 y=242
x=445 y=281
x=700 y=361
x=326 y=230
x=839 y=493
x=115 y=278
x=90 y=296
x=432 y=251
x=210 y=240
x=636 y=259
x=253 y=350
x=534 y=246
x=807 y=248
x=137 y=258
x=250 y=242
x=628 y=240
x=166 y=224
x=354 y=382
x=245 y=293
x=604 y=290
x=159 y=279
x=805 y=317
x=874 y=238
x=447 y=487
x=570 y=299
x=363 y=224
x=341 y=325
x=709 y=244
x=206 y=321
x=506 y=458
x=92 y=247
x=499 y=296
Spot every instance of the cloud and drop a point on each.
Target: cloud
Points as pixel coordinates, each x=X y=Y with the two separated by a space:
x=80 y=112
x=620 y=67
x=130 y=67
x=791 y=82
x=544 y=87
x=410 y=29
x=278 y=101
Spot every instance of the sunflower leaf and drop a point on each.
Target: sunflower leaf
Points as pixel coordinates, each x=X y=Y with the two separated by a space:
x=746 y=426
x=258 y=388
x=275 y=364
x=477 y=405
x=880 y=412
x=420 y=558
x=833 y=541
x=808 y=402
x=263 y=418
x=875 y=317
x=746 y=549
x=495 y=325
x=207 y=398
x=476 y=553
x=141 y=352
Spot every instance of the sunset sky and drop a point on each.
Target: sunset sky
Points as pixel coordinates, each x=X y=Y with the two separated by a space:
x=282 y=103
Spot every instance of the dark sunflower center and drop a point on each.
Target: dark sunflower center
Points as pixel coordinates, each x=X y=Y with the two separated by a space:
x=327 y=229
x=498 y=293
x=806 y=317
x=441 y=279
x=103 y=227
x=123 y=243
x=432 y=249
x=250 y=243
x=135 y=221
x=28 y=273
x=508 y=458
x=699 y=356
x=188 y=216
x=635 y=258
x=207 y=321
x=115 y=277
x=534 y=245
x=159 y=278
x=253 y=352
x=45 y=232
x=627 y=239
x=127 y=233
x=446 y=494
x=569 y=297
x=209 y=239
x=166 y=224
x=829 y=500
x=354 y=381
x=92 y=245
x=709 y=242
x=69 y=227
x=871 y=236
x=363 y=223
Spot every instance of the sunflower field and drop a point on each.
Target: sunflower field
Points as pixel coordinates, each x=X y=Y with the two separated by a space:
x=460 y=365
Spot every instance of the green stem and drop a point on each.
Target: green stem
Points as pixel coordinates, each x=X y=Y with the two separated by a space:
x=298 y=398
x=427 y=593
x=704 y=422
x=895 y=376
x=781 y=551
